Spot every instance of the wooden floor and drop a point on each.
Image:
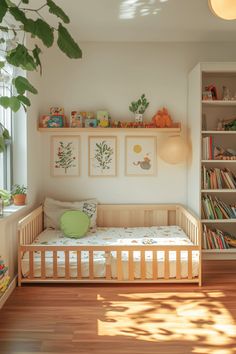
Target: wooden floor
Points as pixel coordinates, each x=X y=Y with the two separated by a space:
x=124 y=319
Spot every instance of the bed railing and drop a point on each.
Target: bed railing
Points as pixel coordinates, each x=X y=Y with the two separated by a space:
x=109 y=252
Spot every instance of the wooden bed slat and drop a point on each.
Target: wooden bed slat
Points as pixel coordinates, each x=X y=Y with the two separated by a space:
x=154 y=265
x=119 y=266
x=31 y=264
x=108 y=265
x=43 y=265
x=190 y=265
x=67 y=264
x=79 y=273
x=178 y=265
x=143 y=266
x=131 y=265
x=54 y=264
x=166 y=266
x=91 y=275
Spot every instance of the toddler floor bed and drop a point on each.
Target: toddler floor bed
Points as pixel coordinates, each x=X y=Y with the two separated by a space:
x=132 y=243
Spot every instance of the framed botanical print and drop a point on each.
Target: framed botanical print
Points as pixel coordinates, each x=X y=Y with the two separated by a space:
x=102 y=156
x=140 y=159
x=65 y=156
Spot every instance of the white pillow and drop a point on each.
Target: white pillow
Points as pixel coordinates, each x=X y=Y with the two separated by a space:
x=53 y=209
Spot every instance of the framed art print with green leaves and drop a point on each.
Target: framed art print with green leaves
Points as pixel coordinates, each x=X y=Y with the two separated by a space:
x=65 y=156
x=102 y=156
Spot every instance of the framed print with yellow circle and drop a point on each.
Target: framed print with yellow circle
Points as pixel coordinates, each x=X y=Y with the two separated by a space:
x=140 y=155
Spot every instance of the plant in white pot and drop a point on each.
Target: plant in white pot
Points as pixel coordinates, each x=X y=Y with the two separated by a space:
x=19 y=194
x=139 y=107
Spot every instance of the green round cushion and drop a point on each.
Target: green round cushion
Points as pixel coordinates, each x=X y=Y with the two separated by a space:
x=74 y=223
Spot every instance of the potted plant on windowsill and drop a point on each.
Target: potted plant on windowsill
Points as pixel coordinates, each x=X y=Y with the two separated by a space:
x=19 y=194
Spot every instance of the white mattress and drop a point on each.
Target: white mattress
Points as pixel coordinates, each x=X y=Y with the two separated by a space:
x=156 y=235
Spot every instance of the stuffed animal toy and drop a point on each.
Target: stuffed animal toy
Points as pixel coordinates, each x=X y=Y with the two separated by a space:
x=162 y=119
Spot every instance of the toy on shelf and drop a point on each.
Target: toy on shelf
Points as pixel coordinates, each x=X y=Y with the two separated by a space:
x=227 y=124
x=224 y=154
x=76 y=119
x=162 y=119
x=103 y=119
x=4 y=277
x=56 y=118
x=54 y=111
x=210 y=93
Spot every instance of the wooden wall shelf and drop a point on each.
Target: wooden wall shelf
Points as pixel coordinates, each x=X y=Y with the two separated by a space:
x=176 y=129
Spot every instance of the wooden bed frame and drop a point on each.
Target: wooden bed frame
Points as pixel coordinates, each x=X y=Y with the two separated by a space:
x=135 y=215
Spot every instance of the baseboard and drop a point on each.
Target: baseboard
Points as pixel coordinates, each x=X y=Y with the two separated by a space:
x=8 y=292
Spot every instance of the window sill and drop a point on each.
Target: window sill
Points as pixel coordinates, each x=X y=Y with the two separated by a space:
x=12 y=211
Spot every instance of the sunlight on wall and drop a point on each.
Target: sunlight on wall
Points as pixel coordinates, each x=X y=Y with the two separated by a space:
x=199 y=319
x=130 y=9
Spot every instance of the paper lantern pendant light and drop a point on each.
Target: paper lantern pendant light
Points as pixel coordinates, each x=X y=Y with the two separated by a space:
x=225 y=9
x=173 y=150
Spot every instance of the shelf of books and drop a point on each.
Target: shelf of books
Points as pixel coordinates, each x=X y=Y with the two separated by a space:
x=218 y=164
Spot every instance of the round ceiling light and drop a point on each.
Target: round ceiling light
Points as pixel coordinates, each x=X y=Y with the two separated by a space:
x=225 y=9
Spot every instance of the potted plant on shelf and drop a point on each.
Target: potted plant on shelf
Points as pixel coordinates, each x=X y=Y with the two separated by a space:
x=139 y=107
x=19 y=194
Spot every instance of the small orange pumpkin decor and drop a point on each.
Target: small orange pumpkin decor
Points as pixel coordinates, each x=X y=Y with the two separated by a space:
x=162 y=119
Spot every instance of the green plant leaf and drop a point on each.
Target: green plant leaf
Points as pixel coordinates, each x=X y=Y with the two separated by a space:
x=44 y=32
x=14 y=103
x=10 y=3
x=29 y=26
x=36 y=51
x=18 y=14
x=22 y=85
x=4 y=101
x=3 y=9
x=2 y=63
x=56 y=10
x=6 y=134
x=67 y=44
x=25 y=1
x=24 y=100
x=20 y=57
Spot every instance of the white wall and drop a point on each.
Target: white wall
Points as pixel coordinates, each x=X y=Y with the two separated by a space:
x=109 y=76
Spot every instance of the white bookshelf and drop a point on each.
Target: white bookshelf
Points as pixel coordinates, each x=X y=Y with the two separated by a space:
x=215 y=132
x=219 y=161
x=219 y=102
x=218 y=190
x=204 y=74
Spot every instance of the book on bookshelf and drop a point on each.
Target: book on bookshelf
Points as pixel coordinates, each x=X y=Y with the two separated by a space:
x=218 y=178
x=217 y=239
x=214 y=208
x=210 y=151
x=4 y=277
x=207 y=148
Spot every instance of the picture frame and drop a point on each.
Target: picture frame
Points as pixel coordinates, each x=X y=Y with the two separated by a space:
x=140 y=156
x=102 y=156
x=65 y=156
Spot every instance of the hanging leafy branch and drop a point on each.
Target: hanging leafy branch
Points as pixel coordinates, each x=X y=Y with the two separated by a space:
x=14 y=51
